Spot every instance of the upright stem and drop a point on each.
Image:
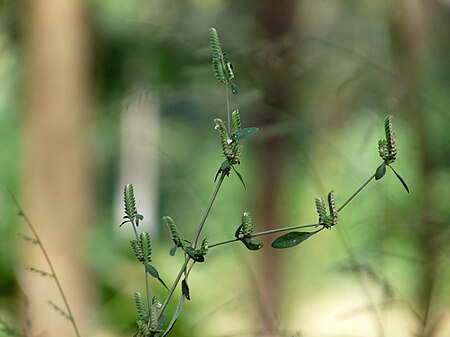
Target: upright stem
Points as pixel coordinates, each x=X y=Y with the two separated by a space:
x=228 y=107
x=208 y=209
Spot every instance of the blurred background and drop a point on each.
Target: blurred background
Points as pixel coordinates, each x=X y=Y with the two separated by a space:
x=96 y=94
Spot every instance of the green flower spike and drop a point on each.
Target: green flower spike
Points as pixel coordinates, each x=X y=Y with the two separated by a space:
x=387 y=149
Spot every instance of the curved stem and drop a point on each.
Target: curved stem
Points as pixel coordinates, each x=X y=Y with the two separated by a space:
x=49 y=263
x=208 y=209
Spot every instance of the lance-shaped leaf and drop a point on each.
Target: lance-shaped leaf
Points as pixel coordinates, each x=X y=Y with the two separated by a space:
x=154 y=272
x=244 y=133
x=291 y=239
x=400 y=178
x=240 y=177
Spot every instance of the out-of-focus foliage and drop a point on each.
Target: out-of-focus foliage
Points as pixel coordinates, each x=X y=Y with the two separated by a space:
x=350 y=64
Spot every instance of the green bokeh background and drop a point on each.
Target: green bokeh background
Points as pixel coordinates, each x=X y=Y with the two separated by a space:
x=344 y=78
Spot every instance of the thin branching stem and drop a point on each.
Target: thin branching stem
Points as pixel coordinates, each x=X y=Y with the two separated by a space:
x=271 y=231
x=208 y=209
x=49 y=263
x=277 y=230
x=147 y=290
x=147 y=286
x=223 y=243
x=356 y=193
x=228 y=107
x=174 y=286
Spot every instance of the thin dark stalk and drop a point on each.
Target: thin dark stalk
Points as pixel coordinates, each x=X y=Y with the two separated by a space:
x=356 y=193
x=49 y=263
x=228 y=107
x=277 y=230
x=174 y=285
x=223 y=243
x=208 y=209
x=271 y=231
x=147 y=287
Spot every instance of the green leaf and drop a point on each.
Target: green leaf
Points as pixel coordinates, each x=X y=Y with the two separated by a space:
x=380 y=172
x=193 y=254
x=153 y=272
x=185 y=290
x=234 y=89
x=173 y=250
x=224 y=167
x=240 y=177
x=291 y=239
x=252 y=243
x=238 y=232
x=400 y=178
x=161 y=321
x=244 y=133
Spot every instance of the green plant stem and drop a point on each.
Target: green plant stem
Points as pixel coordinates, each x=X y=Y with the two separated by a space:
x=49 y=263
x=277 y=230
x=356 y=193
x=228 y=107
x=194 y=242
x=271 y=231
x=223 y=243
x=135 y=230
x=147 y=288
x=174 y=286
x=208 y=209
x=283 y=229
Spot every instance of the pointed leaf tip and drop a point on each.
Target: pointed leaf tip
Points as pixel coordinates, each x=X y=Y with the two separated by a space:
x=400 y=178
x=240 y=177
x=291 y=239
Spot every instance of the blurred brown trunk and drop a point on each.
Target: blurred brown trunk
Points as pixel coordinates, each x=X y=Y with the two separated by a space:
x=56 y=175
x=274 y=79
x=409 y=37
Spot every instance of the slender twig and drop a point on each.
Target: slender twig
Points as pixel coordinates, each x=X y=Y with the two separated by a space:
x=147 y=285
x=174 y=285
x=223 y=243
x=228 y=107
x=208 y=209
x=277 y=230
x=49 y=263
x=271 y=231
x=194 y=242
x=356 y=193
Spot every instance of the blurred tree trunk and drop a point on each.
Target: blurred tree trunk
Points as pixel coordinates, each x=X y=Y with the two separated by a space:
x=56 y=174
x=274 y=77
x=410 y=39
x=139 y=155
